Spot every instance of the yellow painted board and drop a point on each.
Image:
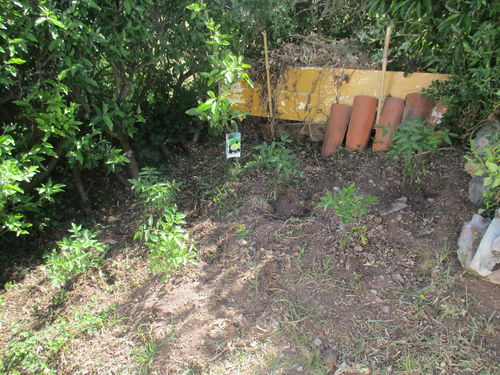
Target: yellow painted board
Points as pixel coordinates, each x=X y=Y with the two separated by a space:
x=306 y=94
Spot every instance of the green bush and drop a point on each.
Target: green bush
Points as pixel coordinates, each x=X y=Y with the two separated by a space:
x=413 y=139
x=350 y=207
x=77 y=253
x=157 y=192
x=169 y=244
x=348 y=204
x=276 y=158
x=164 y=234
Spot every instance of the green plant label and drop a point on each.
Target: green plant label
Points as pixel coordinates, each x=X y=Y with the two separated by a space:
x=233 y=145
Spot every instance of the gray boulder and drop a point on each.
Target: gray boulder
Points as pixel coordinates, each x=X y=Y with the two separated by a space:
x=472 y=233
x=487 y=256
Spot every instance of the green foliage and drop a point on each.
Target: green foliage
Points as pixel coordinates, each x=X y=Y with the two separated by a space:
x=451 y=36
x=32 y=352
x=227 y=68
x=486 y=162
x=164 y=234
x=350 y=207
x=276 y=158
x=157 y=192
x=348 y=204
x=168 y=243
x=411 y=140
x=78 y=252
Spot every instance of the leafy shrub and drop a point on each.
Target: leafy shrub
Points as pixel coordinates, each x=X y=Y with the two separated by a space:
x=78 y=252
x=350 y=207
x=348 y=204
x=168 y=242
x=487 y=162
x=411 y=140
x=154 y=190
x=275 y=157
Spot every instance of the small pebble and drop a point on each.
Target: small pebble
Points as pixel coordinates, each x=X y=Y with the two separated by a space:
x=386 y=309
x=242 y=242
x=318 y=341
x=300 y=368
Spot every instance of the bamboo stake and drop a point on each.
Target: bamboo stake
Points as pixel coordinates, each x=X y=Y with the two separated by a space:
x=268 y=79
x=384 y=68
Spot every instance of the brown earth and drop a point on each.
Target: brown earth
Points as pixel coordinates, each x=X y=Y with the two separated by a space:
x=282 y=287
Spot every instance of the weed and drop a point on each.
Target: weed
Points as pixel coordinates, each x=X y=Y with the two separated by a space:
x=411 y=140
x=434 y=259
x=8 y=285
x=168 y=242
x=78 y=252
x=300 y=254
x=410 y=364
x=241 y=232
x=146 y=353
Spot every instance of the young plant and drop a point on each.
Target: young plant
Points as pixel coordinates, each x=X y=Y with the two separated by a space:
x=154 y=190
x=169 y=244
x=78 y=252
x=348 y=204
x=275 y=157
x=350 y=207
x=413 y=139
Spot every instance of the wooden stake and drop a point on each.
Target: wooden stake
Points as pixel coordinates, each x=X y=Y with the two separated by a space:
x=384 y=68
x=268 y=78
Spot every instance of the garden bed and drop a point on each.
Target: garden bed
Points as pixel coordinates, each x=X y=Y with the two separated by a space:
x=281 y=286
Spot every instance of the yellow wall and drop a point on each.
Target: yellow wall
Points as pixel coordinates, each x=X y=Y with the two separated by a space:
x=306 y=94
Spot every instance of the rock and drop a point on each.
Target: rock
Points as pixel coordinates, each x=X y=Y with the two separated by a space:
x=317 y=341
x=386 y=309
x=242 y=242
x=494 y=277
x=398 y=205
x=488 y=253
x=472 y=233
x=483 y=136
x=476 y=190
x=377 y=220
x=300 y=369
x=358 y=248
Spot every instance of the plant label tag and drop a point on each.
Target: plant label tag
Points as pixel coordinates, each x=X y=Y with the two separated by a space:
x=233 y=145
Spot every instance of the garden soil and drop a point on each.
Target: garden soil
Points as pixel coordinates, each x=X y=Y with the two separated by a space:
x=281 y=286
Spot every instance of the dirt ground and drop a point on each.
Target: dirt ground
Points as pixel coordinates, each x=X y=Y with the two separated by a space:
x=282 y=287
